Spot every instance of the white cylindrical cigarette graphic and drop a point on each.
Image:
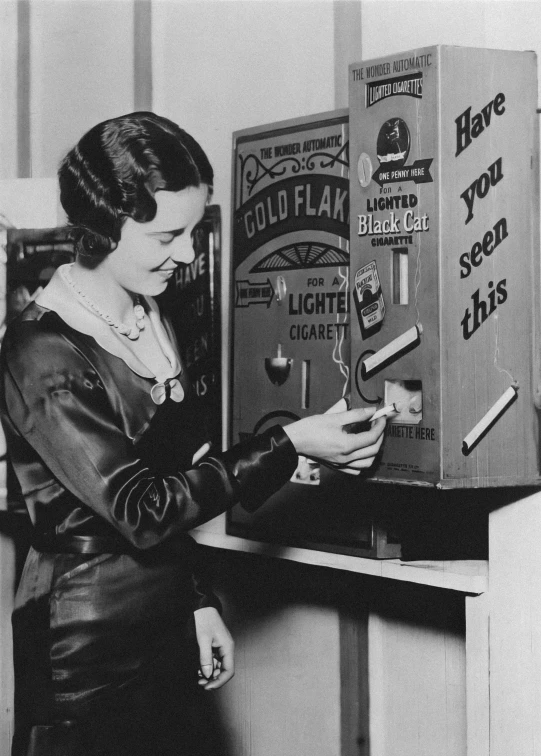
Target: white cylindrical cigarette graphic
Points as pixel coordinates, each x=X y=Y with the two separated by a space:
x=391 y=351
x=488 y=420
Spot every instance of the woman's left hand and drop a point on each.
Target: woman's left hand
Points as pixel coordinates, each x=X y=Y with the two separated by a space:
x=216 y=649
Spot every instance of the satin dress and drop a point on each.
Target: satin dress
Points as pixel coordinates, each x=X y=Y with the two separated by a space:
x=104 y=638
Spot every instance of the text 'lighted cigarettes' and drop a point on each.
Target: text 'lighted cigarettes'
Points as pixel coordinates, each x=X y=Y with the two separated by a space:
x=488 y=420
x=392 y=351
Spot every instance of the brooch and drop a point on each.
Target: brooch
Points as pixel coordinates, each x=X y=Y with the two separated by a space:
x=169 y=389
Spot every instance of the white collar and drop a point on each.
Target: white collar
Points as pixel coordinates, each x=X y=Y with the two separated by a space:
x=60 y=298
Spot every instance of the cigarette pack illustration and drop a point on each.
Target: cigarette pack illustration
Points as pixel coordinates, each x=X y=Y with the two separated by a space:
x=368 y=299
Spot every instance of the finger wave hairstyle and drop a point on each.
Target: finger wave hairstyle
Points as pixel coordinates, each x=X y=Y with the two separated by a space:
x=114 y=172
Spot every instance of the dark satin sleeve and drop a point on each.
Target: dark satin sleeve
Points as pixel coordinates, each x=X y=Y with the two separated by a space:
x=64 y=414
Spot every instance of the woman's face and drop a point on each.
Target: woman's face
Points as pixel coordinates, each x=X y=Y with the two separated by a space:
x=148 y=253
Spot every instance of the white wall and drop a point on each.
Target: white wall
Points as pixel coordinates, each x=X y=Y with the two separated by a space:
x=81 y=72
x=221 y=66
x=8 y=88
x=284 y=698
x=417 y=672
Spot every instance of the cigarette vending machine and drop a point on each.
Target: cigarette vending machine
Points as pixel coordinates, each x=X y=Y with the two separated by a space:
x=290 y=322
x=445 y=263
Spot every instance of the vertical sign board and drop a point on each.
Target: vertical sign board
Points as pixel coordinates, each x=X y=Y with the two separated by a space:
x=33 y=254
x=444 y=202
x=192 y=301
x=32 y=257
x=290 y=264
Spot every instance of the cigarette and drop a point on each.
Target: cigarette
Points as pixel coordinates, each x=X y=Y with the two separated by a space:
x=201 y=452
x=391 y=351
x=390 y=409
x=488 y=420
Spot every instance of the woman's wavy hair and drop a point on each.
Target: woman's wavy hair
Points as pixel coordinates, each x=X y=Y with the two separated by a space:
x=114 y=172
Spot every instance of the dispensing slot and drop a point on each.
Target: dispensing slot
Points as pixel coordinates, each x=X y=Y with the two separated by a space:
x=305 y=382
x=408 y=398
x=400 y=276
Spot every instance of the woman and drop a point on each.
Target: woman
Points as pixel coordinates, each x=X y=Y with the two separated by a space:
x=114 y=615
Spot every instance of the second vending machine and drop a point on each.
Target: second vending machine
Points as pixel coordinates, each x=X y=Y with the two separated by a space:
x=291 y=320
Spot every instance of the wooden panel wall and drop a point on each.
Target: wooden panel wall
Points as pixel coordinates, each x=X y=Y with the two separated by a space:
x=285 y=695
x=331 y=663
x=417 y=671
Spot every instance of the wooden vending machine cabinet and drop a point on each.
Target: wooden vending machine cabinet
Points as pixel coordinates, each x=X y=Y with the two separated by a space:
x=445 y=262
x=290 y=322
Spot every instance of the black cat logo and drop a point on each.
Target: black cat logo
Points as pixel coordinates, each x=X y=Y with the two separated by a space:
x=394 y=142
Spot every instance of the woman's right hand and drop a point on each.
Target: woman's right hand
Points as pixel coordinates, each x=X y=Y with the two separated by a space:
x=331 y=439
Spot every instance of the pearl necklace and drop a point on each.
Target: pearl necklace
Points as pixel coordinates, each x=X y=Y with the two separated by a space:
x=132 y=332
